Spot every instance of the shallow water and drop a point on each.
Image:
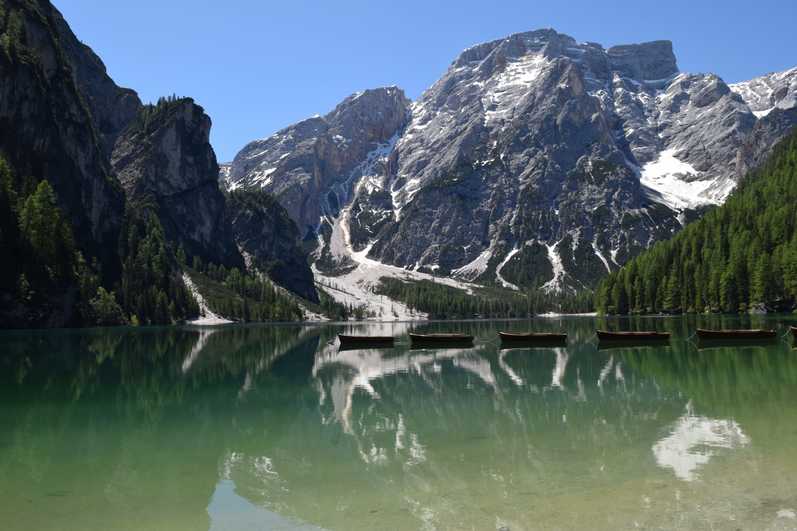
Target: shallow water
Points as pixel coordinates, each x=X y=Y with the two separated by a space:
x=271 y=427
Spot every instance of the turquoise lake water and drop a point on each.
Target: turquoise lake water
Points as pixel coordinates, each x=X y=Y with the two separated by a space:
x=272 y=427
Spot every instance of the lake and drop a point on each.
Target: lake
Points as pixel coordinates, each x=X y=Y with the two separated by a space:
x=272 y=427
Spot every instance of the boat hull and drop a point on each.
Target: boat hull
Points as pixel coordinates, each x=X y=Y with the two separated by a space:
x=347 y=341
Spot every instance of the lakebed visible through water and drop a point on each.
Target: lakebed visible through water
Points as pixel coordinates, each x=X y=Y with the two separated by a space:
x=272 y=427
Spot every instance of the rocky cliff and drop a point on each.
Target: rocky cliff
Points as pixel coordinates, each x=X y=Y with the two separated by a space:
x=165 y=156
x=773 y=99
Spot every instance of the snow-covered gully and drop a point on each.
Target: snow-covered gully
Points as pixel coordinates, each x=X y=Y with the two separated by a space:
x=206 y=316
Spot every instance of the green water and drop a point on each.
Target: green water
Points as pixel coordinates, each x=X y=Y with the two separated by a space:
x=271 y=427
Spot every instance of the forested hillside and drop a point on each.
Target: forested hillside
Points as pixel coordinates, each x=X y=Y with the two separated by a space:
x=105 y=200
x=739 y=256
x=444 y=302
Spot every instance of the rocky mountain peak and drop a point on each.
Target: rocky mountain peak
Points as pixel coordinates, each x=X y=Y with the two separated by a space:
x=653 y=60
x=379 y=112
x=177 y=128
x=646 y=61
x=765 y=93
x=362 y=102
x=516 y=45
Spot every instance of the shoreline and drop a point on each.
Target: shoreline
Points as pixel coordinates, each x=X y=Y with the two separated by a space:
x=204 y=324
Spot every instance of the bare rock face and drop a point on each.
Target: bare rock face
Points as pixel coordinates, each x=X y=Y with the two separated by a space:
x=766 y=93
x=308 y=166
x=165 y=156
x=64 y=120
x=647 y=61
x=767 y=132
x=534 y=161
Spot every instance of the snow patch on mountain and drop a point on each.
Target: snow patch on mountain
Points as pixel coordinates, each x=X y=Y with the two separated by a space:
x=558 y=268
x=677 y=183
x=599 y=254
x=369 y=171
x=476 y=267
x=358 y=287
x=505 y=283
x=507 y=88
x=765 y=93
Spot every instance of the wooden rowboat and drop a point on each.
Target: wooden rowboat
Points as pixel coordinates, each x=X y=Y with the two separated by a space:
x=632 y=337
x=365 y=341
x=532 y=338
x=736 y=334
x=441 y=339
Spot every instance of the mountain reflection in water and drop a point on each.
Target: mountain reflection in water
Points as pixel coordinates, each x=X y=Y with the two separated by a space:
x=274 y=427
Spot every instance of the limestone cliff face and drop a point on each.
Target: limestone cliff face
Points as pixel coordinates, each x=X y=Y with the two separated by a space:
x=773 y=99
x=165 y=156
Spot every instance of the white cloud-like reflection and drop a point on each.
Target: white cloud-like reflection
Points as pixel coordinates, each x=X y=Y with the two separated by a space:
x=694 y=440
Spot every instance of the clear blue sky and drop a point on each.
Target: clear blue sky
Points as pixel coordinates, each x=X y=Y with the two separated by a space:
x=257 y=66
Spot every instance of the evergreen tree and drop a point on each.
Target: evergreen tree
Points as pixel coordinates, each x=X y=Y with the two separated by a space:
x=47 y=234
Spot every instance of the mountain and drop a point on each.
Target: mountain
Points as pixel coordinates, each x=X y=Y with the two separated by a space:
x=771 y=92
x=740 y=256
x=105 y=201
x=535 y=161
x=312 y=166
